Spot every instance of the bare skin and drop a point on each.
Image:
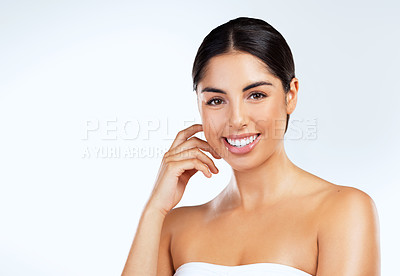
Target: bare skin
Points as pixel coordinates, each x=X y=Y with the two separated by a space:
x=285 y=232
x=271 y=210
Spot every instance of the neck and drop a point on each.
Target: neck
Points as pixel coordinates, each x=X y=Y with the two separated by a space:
x=262 y=185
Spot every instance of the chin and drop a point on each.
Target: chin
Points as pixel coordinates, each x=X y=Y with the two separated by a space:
x=238 y=164
x=243 y=163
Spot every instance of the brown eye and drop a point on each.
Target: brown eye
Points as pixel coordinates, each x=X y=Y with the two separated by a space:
x=258 y=95
x=214 y=101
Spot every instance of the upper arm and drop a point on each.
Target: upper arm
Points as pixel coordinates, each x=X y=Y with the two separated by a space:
x=348 y=236
x=165 y=265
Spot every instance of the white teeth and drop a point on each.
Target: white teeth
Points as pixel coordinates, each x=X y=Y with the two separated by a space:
x=242 y=142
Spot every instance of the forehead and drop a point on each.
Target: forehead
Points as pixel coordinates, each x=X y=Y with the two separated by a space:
x=232 y=70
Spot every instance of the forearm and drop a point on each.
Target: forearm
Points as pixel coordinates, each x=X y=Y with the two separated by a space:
x=143 y=256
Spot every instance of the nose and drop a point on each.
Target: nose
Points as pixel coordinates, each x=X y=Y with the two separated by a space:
x=238 y=116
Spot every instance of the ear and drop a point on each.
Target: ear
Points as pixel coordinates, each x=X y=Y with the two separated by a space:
x=291 y=96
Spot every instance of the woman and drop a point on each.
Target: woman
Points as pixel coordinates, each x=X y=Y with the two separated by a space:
x=273 y=218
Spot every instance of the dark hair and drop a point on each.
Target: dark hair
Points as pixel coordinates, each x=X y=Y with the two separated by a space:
x=251 y=35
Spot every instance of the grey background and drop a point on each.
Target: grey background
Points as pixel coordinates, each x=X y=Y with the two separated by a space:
x=71 y=66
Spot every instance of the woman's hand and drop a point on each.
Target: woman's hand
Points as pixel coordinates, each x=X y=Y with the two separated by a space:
x=179 y=164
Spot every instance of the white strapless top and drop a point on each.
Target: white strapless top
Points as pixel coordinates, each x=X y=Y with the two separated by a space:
x=256 y=269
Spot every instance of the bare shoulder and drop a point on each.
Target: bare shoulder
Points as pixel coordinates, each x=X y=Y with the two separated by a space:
x=334 y=199
x=175 y=222
x=347 y=209
x=345 y=201
x=181 y=217
x=348 y=233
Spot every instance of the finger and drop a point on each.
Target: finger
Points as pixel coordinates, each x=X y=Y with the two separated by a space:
x=184 y=134
x=194 y=153
x=196 y=142
x=188 y=164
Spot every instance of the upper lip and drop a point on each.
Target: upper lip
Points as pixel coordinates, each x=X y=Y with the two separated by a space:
x=241 y=136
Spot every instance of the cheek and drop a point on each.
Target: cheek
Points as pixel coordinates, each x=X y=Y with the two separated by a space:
x=213 y=127
x=270 y=118
x=265 y=112
x=213 y=121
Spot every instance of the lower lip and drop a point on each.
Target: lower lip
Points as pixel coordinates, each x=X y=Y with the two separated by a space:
x=244 y=149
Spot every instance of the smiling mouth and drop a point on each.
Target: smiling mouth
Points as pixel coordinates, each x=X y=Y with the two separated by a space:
x=239 y=143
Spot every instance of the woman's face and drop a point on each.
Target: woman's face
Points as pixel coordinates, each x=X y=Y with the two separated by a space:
x=238 y=95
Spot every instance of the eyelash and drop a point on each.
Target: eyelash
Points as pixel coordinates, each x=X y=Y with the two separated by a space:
x=256 y=93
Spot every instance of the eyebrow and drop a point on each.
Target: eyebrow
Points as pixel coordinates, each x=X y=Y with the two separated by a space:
x=255 y=84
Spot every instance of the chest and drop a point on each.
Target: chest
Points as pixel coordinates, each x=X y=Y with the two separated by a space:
x=279 y=235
